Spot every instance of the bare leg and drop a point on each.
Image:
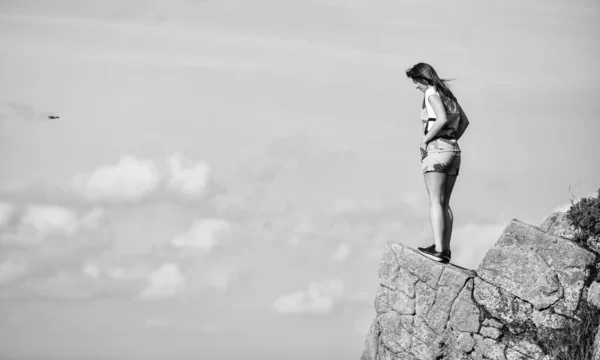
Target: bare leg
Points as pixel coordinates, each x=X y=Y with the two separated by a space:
x=435 y=183
x=449 y=222
x=449 y=219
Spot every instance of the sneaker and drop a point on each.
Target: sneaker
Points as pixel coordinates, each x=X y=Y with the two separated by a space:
x=432 y=254
x=447 y=255
x=428 y=249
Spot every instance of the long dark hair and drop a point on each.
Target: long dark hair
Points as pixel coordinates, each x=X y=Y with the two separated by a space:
x=426 y=74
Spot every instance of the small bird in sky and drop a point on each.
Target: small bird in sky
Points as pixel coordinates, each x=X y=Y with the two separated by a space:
x=52 y=117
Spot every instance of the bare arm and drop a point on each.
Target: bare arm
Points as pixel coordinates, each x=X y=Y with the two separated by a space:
x=440 y=113
x=463 y=122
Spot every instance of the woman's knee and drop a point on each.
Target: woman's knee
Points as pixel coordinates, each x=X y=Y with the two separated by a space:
x=437 y=200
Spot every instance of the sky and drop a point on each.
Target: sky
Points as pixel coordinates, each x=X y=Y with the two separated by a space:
x=224 y=174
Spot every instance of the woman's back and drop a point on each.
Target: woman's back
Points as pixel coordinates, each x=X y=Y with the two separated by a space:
x=452 y=113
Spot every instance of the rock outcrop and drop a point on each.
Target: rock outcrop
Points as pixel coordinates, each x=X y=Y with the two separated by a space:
x=531 y=282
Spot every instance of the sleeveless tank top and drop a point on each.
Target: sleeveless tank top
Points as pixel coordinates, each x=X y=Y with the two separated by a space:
x=445 y=139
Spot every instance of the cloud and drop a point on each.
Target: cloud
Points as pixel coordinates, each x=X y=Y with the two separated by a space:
x=6 y=212
x=92 y=219
x=188 y=177
x=44 y=248
x=11 y=269
x=202 y=235
x=117 y=251
x=471 y=242
x=39 y=221
x=130 y=179
x=166 y=282
x=320 y=298
x=91 y=270
x=341 y=253
x=115 y=272
x=49 y=219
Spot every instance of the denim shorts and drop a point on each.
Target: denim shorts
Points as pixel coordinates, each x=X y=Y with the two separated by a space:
x=443 y=156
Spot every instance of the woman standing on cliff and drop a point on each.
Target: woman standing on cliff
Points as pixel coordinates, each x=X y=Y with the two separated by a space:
x=444 y=122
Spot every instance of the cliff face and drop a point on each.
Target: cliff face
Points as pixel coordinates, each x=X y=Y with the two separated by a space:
x=529 y=283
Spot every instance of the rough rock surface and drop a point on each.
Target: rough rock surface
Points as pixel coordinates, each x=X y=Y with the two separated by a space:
x=538 y=268
x=528 y=282
x=593 y=295
x=557 y=224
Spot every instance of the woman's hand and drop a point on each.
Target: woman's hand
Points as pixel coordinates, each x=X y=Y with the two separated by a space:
x=423 y=149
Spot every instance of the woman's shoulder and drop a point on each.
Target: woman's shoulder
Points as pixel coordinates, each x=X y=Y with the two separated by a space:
x=431 y=91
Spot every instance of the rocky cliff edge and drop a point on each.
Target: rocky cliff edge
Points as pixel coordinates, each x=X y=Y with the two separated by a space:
x=532 y=281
